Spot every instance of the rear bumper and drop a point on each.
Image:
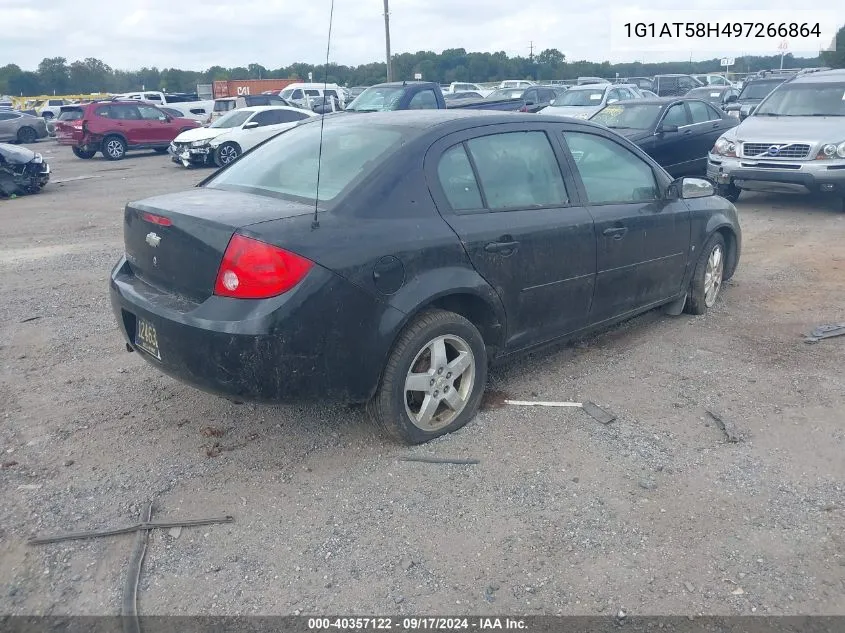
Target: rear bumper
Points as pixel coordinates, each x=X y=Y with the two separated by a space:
x=320 y=341
x=810 y=177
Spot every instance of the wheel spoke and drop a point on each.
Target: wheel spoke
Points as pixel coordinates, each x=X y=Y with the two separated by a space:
x=427 y=410
x=460 y=364
x=438 y=353
x=418 y=382
x=453 y=399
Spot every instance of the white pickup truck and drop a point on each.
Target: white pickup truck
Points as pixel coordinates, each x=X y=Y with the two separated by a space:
x=191 y=107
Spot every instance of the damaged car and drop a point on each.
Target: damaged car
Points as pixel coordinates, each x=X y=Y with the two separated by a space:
x=234 y=133
x=21 y=170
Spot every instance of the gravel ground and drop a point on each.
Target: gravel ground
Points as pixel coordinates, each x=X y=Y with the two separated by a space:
x=656 y=513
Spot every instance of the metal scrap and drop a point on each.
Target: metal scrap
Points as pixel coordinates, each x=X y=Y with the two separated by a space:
x=590 y=408
x=129 y=608
x=825 y=331
x=438 y=460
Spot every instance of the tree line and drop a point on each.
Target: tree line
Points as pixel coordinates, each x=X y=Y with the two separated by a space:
x=55 y=75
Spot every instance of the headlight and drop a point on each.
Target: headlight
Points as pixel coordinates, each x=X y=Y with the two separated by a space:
x=831 y=150
x=199 y=143
x=724 y=147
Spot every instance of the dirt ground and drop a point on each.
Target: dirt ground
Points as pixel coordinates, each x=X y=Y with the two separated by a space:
x=655 y=513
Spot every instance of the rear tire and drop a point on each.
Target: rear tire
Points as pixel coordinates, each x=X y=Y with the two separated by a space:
x=708 y=276
x=729 y=192
x=27 y=135
x=226 y=153
x=434 y=378
x=114 y=148
x=84 y=153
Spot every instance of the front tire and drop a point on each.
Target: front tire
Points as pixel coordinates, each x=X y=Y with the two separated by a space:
x=708 y=276
x=729 y=192
x=434 y=378
x=27 y=135
x=114 y=148
x=226 y=153
x=84 y=153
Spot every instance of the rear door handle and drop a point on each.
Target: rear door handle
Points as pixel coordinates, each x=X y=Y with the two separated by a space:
x=618 y=232
x=687 y=131
x=500 y=247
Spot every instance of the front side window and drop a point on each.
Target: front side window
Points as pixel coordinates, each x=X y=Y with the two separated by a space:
x=149 y=113
x=423 y=100
x=518 y=170
x=676 y=115
x=611 y=173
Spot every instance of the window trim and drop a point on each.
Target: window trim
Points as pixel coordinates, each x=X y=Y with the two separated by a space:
x=707 y=107
x=683 y=104
x=660 y=180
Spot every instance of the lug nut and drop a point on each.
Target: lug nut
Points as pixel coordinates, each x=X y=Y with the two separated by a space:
x=448 y=374
x=431 y=382
x=446 y=389
x=436 y=393
x=439 y=370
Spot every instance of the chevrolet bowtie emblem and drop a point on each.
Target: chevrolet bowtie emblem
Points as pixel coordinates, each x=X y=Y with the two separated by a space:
x=153 y=239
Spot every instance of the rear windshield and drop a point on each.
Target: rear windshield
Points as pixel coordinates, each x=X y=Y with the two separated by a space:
x=286 y=166
x=224 y=106
x=575 y=97
x=70 y=114
x=377 y=99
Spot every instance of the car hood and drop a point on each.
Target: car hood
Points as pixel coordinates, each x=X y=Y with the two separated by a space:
x=632 y=134
x=16 y=155
x=578 y=112
x=789 y=129
x=201 y=134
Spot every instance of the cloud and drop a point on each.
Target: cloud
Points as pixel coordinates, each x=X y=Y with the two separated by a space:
x=197 y=35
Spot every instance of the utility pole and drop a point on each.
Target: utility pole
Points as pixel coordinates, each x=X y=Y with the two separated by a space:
x=387 y=40
x=531 y=51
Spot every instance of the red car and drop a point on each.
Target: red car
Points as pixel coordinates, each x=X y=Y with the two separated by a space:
x=114 y=127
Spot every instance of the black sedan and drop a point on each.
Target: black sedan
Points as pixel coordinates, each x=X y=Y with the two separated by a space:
x=391 y=262
x=677 y=132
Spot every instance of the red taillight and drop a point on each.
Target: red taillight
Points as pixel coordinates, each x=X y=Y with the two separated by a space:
x=252 y=269
x=157 y=219
x=79 y=124
x=524 y=109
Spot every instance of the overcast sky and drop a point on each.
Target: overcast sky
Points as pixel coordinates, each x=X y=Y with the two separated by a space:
x=194 y=34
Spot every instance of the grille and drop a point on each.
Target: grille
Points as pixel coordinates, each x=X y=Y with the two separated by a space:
x=761 y=150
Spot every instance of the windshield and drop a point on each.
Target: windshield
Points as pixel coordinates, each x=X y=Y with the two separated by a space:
x=235 y=118
x=286 y=167
x=506 y=93
x=635 y=116
x=286 y=94
x=377 y=99
x=576 y=97
x=758 y=89
x=817 y=99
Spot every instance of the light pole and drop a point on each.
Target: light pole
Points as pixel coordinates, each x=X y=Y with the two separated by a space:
x=387 y=41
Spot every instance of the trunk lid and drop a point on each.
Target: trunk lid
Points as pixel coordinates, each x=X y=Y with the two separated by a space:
x=182 y=253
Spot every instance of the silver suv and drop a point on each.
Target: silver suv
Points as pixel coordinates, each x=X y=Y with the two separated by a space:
x=794 y=141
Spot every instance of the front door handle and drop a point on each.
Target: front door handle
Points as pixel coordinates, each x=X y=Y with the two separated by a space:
x=618 y=232
x=687 y=132
x=501 y=247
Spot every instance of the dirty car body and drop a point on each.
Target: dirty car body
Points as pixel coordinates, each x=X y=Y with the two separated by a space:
x=528 y=230
x=21 y=170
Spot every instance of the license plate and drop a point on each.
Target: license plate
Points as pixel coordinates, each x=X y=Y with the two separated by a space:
x=146 y=338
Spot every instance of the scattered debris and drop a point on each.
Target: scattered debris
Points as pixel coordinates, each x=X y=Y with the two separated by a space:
x=590 y=408
x=214 y=450
x=28 y=319
x=738 y=591
x=29 y=487
x=69 y=462
x=689 y=586
x=493 y=400
x=399 y=599
x=438 y=460
x=727 y=427
x=211 y=431
x=647 y=484
x=9 y=464
x=825 y=331
x=129 y=608
x=74 y=178
x=407 y=564
x=175 y=532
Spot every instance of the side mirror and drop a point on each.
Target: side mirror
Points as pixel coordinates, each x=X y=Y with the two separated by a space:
x=746 y=111
x=529 y=103
x=692 y=188
x=731 y=99
x=164 y=119
x=552 y=102
x=612 y=100
x=251 y=125
x=667 y=129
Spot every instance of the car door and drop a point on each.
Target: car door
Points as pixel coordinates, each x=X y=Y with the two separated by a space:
x=506 y=197
x=128 y=121
x=642 y=237
x=266 y=123
x=706 y=127
x=9 y=126
x=670 y=149
x=423 y=100
x=158 y=127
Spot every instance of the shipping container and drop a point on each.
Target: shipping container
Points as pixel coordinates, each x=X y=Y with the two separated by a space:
x=243 y=87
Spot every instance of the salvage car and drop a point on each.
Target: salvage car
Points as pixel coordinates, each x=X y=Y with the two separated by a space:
x=754 y=90
x=23 y=128
x=581 y=102
x=233 y=134
x=793 y=142
x=676 y=132
x=115 y=127
x=387 y=258
x=21 y=170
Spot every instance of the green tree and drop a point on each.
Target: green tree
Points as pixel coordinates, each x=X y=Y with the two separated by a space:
x=26 y=84
x=54 y=75
x=257 y=71
x=90 y=75
x=836 y=58
x=7 y=72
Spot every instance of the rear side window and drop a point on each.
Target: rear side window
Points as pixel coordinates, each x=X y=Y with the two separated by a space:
x=297 y=94
x=458 y=180
x=102 y=111
x=518 y=170
x=701 y=112
x=423 y=100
